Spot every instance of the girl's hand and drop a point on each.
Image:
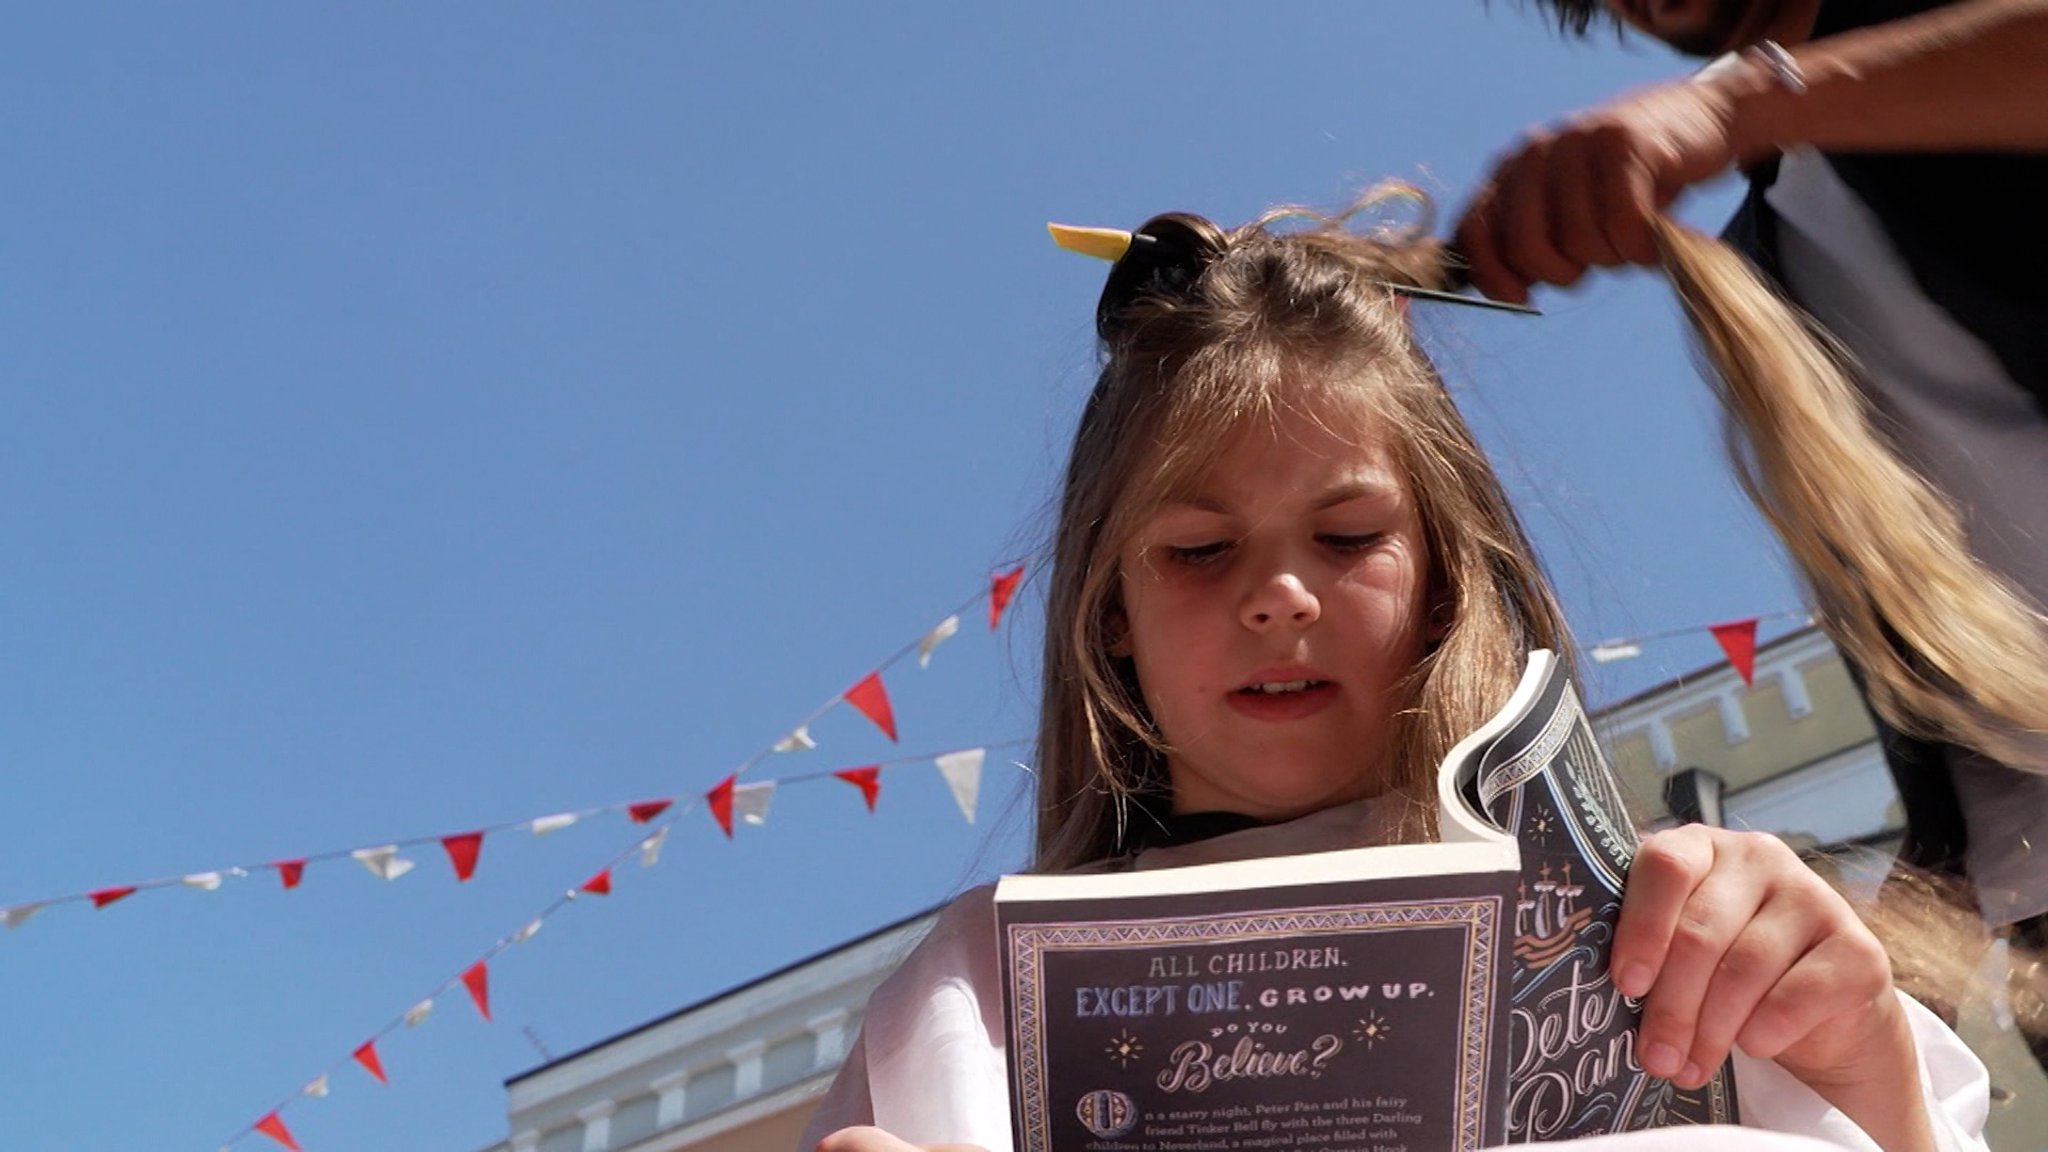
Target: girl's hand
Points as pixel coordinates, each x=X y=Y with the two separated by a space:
x=1728 y=938
x=876 y=1140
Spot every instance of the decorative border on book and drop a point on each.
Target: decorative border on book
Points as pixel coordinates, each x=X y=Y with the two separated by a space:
x=1533 y=759
x=1597 y=819
x=1478 y=916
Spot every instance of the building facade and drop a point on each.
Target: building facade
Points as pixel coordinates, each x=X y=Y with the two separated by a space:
x=1792 y=752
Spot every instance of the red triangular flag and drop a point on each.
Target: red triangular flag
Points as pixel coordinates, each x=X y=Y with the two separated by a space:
x=106 y=896
x=868 y=780
x=999 y=593
x=873 y=702
x=647 y=810
x=274 y=1128
x=720 y=801
x=598 y=885
x=290 y=871
x=462 y=851
x=1737 y=638
x=367 y=1057
x=478 y=982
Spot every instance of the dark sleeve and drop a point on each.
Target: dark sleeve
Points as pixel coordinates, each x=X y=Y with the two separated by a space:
x=1970 y=226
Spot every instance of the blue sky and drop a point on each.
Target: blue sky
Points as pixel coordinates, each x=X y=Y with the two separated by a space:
x=422 y=417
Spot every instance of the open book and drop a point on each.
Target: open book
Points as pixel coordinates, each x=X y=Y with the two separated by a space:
x=1405 y=998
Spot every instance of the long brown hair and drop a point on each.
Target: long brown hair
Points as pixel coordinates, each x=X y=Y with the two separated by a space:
x=1237 y=327
x=1948 y=649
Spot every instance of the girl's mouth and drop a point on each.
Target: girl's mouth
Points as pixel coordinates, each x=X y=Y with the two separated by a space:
x=1275 y=700
x=1281 y=687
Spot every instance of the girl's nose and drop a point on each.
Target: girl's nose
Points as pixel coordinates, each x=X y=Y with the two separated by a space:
x=1280 y=600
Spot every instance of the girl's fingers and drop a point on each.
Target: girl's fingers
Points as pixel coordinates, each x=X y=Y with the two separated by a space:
x=868 y=1139
x=1846 y=972
x=1668 y=866
x=1709 y=919
x=1749 y=970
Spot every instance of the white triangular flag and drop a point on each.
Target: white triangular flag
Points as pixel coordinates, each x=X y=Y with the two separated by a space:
x=750 y=802
x=526 y=933
x=962 y=771
x=555 y=823
x=318 y=1088
x=384 y=863
x=650 y=848
x=16 y=917
x=797 y=741
x=204 y=881
x=417 y=1014
x=1608 y=653
x=934 y=638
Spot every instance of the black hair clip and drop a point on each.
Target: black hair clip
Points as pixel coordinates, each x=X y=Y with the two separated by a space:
x=1168 y=253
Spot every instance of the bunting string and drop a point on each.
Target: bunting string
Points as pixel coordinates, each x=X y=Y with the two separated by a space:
x=383 y=860
x=1629 y=647
x=387 y=860
x=960 y=768
x=868 y=696
x=730 y=803
x=464 y=849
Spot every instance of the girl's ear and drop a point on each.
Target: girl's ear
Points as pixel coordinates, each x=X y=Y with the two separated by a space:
x=1118 y=627
x=1443 y=612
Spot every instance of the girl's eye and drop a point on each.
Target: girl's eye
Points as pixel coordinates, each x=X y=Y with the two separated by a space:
x=1347 y=542
x=1195 y=555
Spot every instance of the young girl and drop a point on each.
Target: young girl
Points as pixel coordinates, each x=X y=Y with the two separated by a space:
x=1285 y=582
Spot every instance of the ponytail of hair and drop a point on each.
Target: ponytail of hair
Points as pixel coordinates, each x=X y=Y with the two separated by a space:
x=1949 y=649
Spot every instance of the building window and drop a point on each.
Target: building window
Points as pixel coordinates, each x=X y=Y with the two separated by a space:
x=709 y=1092
x=635 y=1120
x=787 y=1061
x=565 y=1139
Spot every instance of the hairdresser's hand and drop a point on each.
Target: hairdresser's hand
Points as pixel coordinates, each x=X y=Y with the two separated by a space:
x=1580 y=195
x=1730 y=939
x=876 y=1140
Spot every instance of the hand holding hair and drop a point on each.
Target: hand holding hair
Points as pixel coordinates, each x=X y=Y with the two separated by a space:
x=1583 y=194
x=1951 y=650
x=1966 y=76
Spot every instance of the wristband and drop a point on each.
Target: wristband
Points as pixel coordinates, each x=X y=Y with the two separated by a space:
x=1772 y=58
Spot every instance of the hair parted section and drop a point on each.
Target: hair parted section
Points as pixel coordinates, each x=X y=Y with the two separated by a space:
x=1950 y=650
x=1292 y=313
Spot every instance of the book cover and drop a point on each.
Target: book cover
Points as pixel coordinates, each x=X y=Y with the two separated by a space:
x=1390 y=999
x=1571 y=1034
x=1346 y=1008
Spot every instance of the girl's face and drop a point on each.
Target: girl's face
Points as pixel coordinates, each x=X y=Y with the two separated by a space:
x=1271 y=615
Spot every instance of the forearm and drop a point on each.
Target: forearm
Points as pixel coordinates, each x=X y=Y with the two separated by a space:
x=1969 y=77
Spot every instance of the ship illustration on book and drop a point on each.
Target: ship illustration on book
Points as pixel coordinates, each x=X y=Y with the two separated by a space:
x=1547 y=925
x=1434 y=996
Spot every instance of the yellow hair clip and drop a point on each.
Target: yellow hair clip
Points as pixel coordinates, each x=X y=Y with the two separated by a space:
x=1102 y=243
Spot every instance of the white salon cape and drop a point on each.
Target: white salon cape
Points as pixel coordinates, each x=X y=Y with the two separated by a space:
x=929 y=1063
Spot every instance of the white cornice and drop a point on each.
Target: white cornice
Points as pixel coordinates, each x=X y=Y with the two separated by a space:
x=1688 y=696
x=1720 y=690
x=735 y=1116
x=827 y=983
